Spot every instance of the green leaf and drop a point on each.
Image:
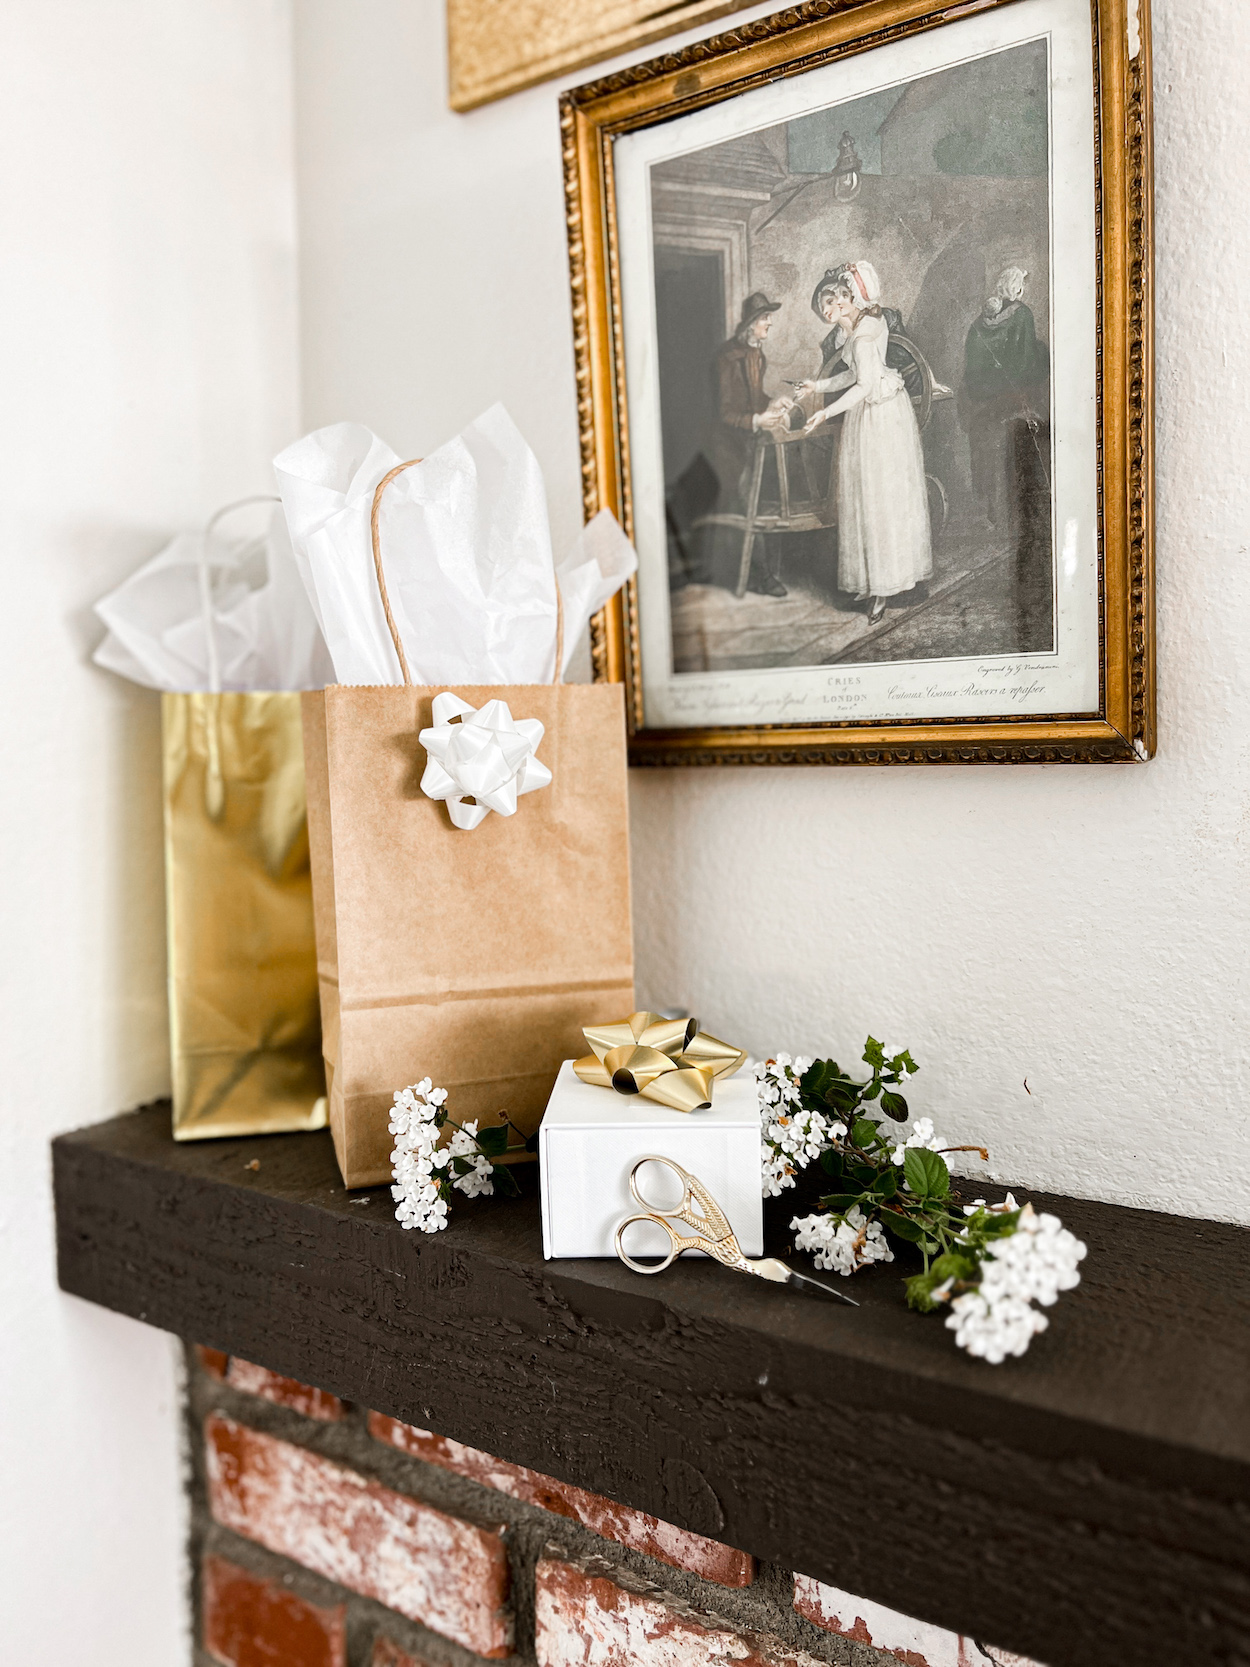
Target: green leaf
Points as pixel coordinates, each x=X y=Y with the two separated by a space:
x=818 y=1076
x=926 y=1173
x=874 y=1054
x=825 y=1087
x=864 y=1133
x=863 y=1174
x=915 y=1172
x=953 y=1265
x=531 y=1145
x=462 y=1166
x=831 y=1163
x=841 y=1202
x=903 y=1227
x=505 y=1181
x=919 y=1290
x=894 y=1105
x=886 y=1184
x=904 y=1062
x=921 y=1286
x=989 y=1224
x=872 y=1090
x=493 y=1142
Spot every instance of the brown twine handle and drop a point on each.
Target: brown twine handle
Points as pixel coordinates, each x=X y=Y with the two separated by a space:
x=377 y=565
x=386 y=601
x=559 y=671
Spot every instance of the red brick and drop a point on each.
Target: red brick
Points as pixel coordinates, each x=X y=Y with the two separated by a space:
x=386 y=1653
x=250 y=1622
x=916 y=1643
x=212 y=1361
x=285 y=1392
x=584 y=1619
x=604 y=1517
x=447 y=1574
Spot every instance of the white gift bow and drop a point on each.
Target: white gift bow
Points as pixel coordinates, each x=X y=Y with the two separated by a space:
x=487 y=755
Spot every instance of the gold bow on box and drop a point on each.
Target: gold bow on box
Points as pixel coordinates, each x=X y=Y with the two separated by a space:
x=670 y=1061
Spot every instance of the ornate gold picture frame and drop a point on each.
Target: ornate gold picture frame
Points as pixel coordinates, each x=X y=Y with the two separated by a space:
x=497 y=47
x=862 y=315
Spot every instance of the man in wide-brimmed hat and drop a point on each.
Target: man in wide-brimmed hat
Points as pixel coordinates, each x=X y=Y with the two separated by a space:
x=743 y=408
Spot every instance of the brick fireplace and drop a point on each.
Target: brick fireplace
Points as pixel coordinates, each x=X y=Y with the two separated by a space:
x=327 y=1535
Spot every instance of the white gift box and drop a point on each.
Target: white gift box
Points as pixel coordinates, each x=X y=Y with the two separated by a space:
x=590 y=1139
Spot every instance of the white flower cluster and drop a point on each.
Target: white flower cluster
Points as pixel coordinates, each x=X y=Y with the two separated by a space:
x=475 y=1182
x=922 y=1135
x=841 y=1246
x=1034 y=1264
x=422 y=1168
x=790 y=1137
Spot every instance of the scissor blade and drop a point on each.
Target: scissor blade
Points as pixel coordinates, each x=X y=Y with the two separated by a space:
x=819 y=1285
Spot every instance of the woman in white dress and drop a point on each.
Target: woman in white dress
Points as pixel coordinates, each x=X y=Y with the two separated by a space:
x=884 y=544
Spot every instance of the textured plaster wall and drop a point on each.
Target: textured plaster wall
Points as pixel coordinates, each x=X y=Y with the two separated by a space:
x=1081 y=929
x=148 y=345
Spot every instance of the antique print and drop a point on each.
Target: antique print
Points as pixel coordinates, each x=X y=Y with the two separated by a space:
x=858 y=468
x=860 y=352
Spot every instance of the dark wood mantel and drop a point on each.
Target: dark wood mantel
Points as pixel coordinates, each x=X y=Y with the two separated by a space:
x=1089 y=1504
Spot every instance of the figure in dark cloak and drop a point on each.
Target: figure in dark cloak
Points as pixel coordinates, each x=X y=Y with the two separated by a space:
x=1005 y=407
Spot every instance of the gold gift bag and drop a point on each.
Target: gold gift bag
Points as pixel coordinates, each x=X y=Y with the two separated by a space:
x=245 y=1035
x=473 y=957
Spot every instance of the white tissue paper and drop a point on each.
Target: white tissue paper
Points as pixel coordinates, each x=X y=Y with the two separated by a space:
x=211 y=612
x=466 y=552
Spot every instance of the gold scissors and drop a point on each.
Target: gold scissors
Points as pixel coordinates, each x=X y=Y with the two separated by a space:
x=711 y=1234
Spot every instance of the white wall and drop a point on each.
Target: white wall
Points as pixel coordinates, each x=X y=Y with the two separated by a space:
x=1084 y=929
x=148 y=360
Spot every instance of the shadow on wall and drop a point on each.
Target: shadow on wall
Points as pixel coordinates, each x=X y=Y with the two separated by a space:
x=137 y=856
x=128 y=844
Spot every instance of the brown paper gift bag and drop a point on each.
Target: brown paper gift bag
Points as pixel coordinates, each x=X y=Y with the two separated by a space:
x=244 y=1032
x=472 y=957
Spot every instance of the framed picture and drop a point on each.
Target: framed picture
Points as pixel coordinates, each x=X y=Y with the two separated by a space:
x=861 y=300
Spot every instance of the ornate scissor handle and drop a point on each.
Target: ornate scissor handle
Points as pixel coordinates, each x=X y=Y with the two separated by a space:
x=677 y=1170
x=698 y=1209
x=676 y=1244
